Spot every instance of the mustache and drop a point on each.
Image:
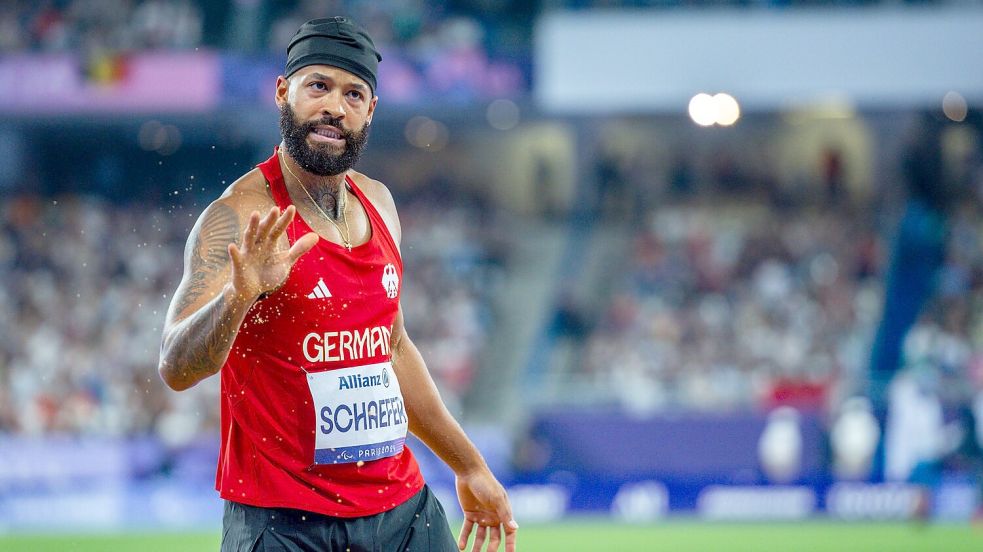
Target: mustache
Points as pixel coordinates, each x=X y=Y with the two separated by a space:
x=330 y=121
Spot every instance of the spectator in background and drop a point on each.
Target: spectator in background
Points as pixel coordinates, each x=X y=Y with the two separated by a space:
x=833 y=177
x=918 y=255
x=569 y=321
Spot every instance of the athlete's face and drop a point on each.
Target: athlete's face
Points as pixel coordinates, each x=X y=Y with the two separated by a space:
x=324 y=118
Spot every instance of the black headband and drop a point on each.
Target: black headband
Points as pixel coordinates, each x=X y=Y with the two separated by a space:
x=338 y=42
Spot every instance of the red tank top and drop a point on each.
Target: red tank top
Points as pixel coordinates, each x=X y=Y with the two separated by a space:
x=312 y=416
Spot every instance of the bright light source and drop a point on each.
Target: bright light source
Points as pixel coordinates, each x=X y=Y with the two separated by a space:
x=703 y=110
x=707 y=110
x=727 y=110
x=954 y=106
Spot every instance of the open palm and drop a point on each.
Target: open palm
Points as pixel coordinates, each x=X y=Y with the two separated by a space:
x=258 y=265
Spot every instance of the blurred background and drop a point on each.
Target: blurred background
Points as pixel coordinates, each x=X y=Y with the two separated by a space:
x=703 y=259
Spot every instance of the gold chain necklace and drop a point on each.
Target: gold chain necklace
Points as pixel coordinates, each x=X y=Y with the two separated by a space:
x=344 y=235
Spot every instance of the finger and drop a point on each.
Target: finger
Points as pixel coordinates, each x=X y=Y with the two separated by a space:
x=510 y=538
x=282 y=221
x=466 y=529
x=504 y=511
x=479 y=538
x=267 y=223
x=235 y=255
x=494 y=538
x=249 y=235
x=301 y=246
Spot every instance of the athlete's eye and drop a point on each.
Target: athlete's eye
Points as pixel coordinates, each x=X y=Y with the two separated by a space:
x=355 y=94
x=318 y=85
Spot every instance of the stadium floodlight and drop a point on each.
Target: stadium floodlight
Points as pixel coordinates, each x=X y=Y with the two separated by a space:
x=703 y=110
x=720 y=109
x=727 y=109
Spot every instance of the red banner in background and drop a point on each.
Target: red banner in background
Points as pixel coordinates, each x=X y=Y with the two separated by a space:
x=150 y=82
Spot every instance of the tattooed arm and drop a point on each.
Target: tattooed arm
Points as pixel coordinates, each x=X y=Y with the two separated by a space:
x=205 y=313
x=224 y=274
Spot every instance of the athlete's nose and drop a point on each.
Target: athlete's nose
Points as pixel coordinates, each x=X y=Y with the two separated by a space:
x=334 y=105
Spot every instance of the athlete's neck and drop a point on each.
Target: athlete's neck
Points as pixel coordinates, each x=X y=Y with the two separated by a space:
x=325 y=191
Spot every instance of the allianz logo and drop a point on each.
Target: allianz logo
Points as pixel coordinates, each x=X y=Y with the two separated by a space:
x=358 y=381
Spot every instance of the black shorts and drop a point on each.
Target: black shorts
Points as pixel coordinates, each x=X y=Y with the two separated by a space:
x=419 y=524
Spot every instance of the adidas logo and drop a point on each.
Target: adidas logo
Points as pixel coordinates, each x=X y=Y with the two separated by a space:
x=320 y=291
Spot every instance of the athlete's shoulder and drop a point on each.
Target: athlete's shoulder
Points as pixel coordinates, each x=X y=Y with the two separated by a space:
x=382 y=200
x=376 y=191
x=250 y=192
x=232 y=209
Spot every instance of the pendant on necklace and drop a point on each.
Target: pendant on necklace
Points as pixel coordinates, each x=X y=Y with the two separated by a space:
x=348 y=245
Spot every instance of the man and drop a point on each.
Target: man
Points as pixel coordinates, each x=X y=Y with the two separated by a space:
x=291 y=289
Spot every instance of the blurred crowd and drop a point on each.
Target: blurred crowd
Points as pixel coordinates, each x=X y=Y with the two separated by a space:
x=458 y=52
x=86 y=285
x=423 y=29
x=94 y=26
x=453 y=269
x=740 y=305
x=452 y=49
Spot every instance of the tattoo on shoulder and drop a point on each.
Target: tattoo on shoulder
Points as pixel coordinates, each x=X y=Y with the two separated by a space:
x=210 y=250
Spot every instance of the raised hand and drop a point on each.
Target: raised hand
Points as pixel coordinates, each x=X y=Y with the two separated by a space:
x=258 y=265
x=486 y=506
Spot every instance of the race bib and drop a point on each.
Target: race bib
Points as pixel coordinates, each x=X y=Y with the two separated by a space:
x=359 y=414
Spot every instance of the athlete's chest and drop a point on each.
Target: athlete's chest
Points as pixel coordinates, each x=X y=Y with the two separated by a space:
x=329 y=279
x=335 y=306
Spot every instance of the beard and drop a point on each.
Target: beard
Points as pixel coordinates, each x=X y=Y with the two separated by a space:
x=319 y=159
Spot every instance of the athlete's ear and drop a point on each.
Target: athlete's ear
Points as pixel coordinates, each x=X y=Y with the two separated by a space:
x=375 y=100
x=282 y=88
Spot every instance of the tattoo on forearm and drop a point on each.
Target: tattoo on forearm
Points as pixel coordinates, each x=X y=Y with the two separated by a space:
x=209 y=252
x=196 y=286
x=202 y=341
